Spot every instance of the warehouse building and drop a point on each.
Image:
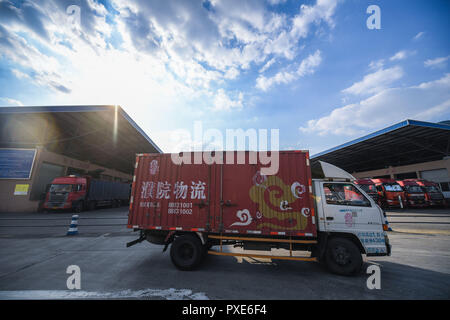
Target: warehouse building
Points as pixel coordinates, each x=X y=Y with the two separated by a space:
x=407 y=150
x=38 y=144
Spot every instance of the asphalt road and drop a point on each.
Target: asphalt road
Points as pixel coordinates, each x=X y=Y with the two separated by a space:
x=35 y=253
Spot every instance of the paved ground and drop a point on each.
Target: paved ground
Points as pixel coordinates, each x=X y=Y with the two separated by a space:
x=34 y=255
x=430 y=221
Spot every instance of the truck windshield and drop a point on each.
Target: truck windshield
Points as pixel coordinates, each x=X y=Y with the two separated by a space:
x=368 y=188
x=432 y=189
x=61 y=188
x=414 y=189
x=393 y=187
x=344 y=194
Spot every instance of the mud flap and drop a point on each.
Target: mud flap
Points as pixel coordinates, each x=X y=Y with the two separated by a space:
x=142 y=237
x=168 y=240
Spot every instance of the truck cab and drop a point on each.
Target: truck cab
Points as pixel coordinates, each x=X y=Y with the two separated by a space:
x=66 y=193
x=414 y=193
x=390 y=192
x=369 y=187
x=433 y=193
x=344 y=209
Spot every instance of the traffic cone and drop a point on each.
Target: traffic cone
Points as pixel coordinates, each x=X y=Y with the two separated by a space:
x=387 y=221
x=73 y=229
x=389 y=227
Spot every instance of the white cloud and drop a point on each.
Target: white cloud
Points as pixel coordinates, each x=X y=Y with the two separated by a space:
x=307 y=66
x=375 y=65
x=437 y=62
x=10 y=102
x=425 y=101
x=186 y=43
x=419 y=35
x=267 y=65
x=401 y=55
x=231 y=73
x=275 y=2
x=375 y=82
x=223 y=102
x=323 y=10
x=155 y=58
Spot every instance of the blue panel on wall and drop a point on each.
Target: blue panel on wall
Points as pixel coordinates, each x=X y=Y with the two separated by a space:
x=16 y=163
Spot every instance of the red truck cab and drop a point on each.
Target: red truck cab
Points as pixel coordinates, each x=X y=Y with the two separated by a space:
x=433 y=193
x=390 y=193
x=414 y=193
x=369 y=187
x=66 y=193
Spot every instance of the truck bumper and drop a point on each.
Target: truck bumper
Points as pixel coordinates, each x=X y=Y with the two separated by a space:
x=382 y=253
x=415 y=203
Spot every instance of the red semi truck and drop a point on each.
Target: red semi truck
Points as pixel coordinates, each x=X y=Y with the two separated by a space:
x=194 y=207
x=433 y=193
x=390 y=193
x=84 y=193
x=414 y=193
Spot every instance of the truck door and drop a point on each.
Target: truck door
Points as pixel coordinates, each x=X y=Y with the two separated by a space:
x=237 y=212
x=347 y=209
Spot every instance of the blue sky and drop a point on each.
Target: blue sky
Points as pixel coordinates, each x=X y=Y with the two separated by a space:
x=311 y=69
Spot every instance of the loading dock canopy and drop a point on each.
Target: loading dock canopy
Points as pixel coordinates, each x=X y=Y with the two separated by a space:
x=103 y=135
x=404 y=143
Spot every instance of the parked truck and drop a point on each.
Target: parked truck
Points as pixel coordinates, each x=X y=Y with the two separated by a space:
x=85 y=193
x=201 y=209
x=414 y=193
x=390 y=193
x=433 y=193
x=369 y=187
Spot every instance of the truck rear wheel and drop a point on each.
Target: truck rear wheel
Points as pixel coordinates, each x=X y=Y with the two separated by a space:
x=186 y=252
x=343 y=257
x=78 y=207
x=91 y=205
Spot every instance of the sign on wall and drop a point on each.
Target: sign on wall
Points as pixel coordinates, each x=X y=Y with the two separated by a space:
x=16 y=163
x=21 y=189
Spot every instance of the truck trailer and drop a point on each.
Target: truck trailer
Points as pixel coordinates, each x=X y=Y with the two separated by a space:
x=204 y=208
x=85 y=193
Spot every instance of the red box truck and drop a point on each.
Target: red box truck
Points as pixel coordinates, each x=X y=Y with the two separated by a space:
x=194 y=207
x=369 y=187
x=433 y=193
x=414 y=193
x=390 y=193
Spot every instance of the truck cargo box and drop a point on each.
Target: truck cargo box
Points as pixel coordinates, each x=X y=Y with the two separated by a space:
x=101 y=190
x=223 y=198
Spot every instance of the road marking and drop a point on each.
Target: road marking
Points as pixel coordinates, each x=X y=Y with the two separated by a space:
x=168 y=294
x=422 y=231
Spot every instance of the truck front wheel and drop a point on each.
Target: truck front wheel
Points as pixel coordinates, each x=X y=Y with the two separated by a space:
x=343 y=256
x=186 y=252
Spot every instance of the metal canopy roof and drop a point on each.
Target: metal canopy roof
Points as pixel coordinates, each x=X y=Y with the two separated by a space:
x=404 y=143
x=104 y=135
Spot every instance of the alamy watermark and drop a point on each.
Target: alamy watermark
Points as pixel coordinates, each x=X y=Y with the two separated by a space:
x=74 y=280
x=374 y=280
x=374 y=20
x=211 y=146
x=74 y=15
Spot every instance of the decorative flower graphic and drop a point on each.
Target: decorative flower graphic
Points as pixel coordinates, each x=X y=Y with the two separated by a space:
x=268 y=195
